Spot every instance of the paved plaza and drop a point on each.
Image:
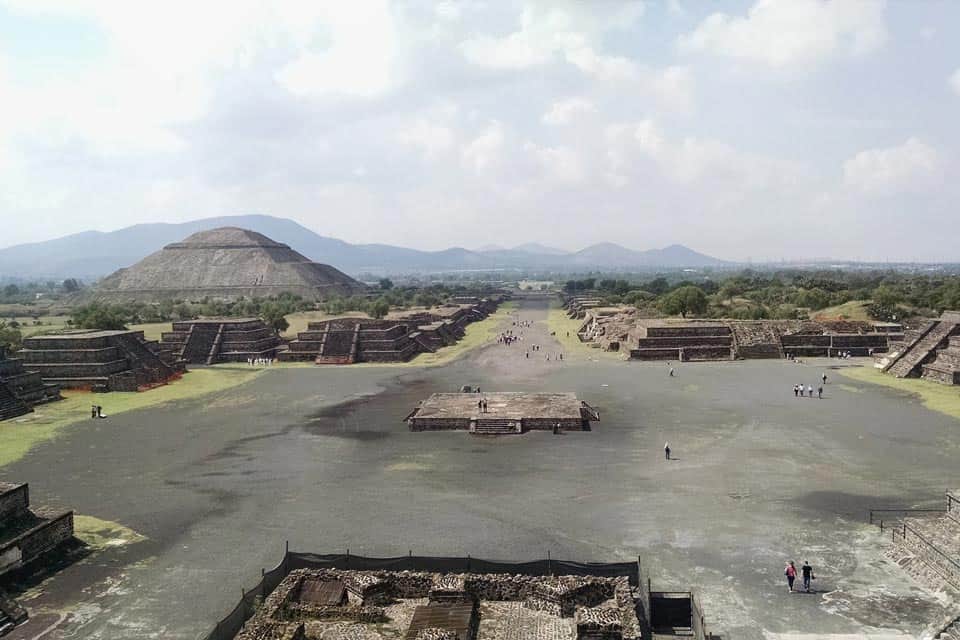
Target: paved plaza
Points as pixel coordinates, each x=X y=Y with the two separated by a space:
x=320 y=457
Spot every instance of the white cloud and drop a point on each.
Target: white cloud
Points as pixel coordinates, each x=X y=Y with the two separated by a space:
x=483 y=153
x=558 y=164
x=568 y=110
x=431 y=138
x=781 y=33
x=912 y=166
x=954 y=81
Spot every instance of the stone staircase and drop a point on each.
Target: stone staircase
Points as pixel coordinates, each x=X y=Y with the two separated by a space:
x=10 y=405
x=495 y=426
x=914 y=355
x=945 y=367
x=198 y=344
x=952 y=632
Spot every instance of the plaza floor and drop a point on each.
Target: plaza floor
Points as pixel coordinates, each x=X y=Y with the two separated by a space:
x=321 y=457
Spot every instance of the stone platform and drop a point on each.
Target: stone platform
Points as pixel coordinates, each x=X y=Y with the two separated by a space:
x=21 y=389
x=213 y=340
x=27 y=533
x=100 y=360
x=506 y=412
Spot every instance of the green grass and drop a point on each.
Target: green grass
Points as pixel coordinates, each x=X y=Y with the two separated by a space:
x=103 y=534
x=151 y=330
x=853 y=310
x=19 y=435
x=936 y=397
x=561 y=326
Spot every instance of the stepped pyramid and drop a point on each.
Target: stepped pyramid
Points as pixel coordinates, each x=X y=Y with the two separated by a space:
x=225 y=263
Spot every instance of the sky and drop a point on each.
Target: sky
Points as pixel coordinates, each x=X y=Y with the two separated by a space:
x=763 y=130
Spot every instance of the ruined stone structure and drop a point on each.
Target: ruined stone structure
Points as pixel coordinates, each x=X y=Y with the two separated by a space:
x=927 y=546
x=100 y=360
x=315 y=603
x=695 y=339
x=505 y=413
x=225 y=264
x=20 y=389
x=932 y=352
x=27 y=533
x=213 y=340
x=396 y=338
x=578 y=306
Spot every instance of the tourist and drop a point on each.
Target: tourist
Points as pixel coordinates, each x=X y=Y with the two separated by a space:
x=484 y=405
x=820 y=392
x=480 y=406
x=100 y=412
x=810 y=390
x=93 y=411
x=672 y=372
x=806 y=572
x=824 y=378
x=791 y=572
x=795 y=391
x=666 y=450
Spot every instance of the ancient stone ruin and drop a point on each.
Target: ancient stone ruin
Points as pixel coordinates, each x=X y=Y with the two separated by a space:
x=325 y=603
x=501 y=413
x=698 y=339
x=932 y=352
x=27 y=533
x=396 y=338
x=213 y=340
x=20 y=389
x=100 y=360
x=225 y=264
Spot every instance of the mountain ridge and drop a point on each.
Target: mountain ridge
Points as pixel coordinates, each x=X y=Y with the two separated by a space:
x=94 y=254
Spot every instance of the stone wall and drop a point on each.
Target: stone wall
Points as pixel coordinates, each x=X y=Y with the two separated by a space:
x=14 y=500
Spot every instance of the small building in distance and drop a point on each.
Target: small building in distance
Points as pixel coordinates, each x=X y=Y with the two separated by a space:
x=500 y=413
x=213 y=340
x=100 y=360
x=21 y=389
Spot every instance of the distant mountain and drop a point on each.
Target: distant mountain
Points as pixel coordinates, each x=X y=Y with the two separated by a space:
x=540 y=249
x=93 y=254
x=491 y=247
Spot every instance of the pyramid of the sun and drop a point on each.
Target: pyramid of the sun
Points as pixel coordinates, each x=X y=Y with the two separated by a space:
x=225 y=263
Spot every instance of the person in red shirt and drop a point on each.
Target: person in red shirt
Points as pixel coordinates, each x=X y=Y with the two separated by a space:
x=791 y=572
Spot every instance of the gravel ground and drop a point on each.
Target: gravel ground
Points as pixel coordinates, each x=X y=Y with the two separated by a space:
x=321 y=458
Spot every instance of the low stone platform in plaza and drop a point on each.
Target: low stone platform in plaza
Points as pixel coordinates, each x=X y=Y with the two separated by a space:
x=502 y=412
x=213 y=340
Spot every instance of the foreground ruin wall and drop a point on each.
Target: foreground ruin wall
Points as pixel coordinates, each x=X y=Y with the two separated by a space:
x=931 y=352
x=100 y=360
x=25 y=533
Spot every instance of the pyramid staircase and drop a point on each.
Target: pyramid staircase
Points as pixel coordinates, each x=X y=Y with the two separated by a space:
x=10 y=405
x=495 y=426
x=922 y=349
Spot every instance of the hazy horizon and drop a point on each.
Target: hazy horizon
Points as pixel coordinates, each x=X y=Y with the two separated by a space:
x=762 y=130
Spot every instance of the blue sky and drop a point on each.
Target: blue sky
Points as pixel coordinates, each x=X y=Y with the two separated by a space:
x=768 y=128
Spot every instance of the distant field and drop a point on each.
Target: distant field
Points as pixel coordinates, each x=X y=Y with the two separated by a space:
x=28 y=326
x=152 y=330
x=853 y=310
x=299 y=320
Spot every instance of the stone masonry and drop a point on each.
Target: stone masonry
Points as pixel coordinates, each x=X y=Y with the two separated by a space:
x=27 y=533
x=213 y=340
x=20 y=389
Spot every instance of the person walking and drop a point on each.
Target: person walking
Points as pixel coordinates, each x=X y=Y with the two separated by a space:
x=791 y=572
x=806 y=572
x=810 y=391
x=672 y=372
x=823 y=378
x=666 y=450
x=820 y=392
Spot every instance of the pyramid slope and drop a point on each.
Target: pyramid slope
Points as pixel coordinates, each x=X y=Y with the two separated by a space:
x=225 y=263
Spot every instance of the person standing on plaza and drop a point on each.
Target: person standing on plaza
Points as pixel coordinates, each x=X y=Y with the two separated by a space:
x=666 y=450
x=806 y=572
x=791 y=572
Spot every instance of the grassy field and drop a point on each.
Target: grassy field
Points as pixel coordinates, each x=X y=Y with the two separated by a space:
x=18 y=436
x=937 y=397
x=103 y=534
x=561 y=326
x=298 y=321
x=152 y=330
x=47 y=324
x=853 y=310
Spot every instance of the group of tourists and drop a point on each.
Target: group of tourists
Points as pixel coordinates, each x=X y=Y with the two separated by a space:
x=806 y=573
x=523 y=323
x=260 y=362
x=509 y=337
x=800 y=392
x=96 y=411
x=482 y=405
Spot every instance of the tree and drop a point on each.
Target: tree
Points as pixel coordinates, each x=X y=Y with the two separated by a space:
x=379 y=308
x=10 y=337
x=386 y=284
x=275 y=316
x=100 y=316
x=70 y=285
x=11 y=290
x=687 y=299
